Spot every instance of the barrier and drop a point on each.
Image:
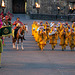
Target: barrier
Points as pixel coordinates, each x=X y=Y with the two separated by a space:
x=52 y=17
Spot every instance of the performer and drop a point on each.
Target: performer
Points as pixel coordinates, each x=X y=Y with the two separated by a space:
x=53 y=37
x=6 y=18
x=61 y=28
x=36 y=31
x=10 y=17
x=63 y=38
x=41 y=23
x=58 y=28
x=71 y=39
x=33 y=28
x=17 y=23
x=47 y=27
x=42 y=38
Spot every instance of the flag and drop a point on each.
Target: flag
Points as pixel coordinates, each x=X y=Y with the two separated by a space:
x=6 y=31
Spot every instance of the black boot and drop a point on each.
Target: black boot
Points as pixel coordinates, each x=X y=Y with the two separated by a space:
x=14 y=34
x=24 y=38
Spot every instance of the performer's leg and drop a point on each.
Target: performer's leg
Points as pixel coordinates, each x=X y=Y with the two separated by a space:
x=22 y=44
x=24 y=37
x=15 y=31
x=62 y=48
x=17 y=44
x=14 y=34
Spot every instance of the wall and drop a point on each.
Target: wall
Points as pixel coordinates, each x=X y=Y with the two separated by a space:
x=47 y=6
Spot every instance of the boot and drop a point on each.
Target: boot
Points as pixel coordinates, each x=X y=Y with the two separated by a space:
x=24 y=38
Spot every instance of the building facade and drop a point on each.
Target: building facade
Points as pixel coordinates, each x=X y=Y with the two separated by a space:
x=46 y=6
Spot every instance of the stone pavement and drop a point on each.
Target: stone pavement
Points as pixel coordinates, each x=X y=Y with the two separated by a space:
x=32 y=61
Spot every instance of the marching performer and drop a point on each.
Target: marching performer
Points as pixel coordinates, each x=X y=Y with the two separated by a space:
x=33 y=28
x=63 y=38
x=42 y=38
x=58 y=28
x=37 y=27
x=71 y=39
x=47 y=27
x=53 y=36
x=35 y=31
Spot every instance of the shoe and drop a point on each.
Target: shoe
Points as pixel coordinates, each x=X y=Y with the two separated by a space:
x=24 y=38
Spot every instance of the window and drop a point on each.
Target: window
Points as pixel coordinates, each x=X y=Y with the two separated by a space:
x=35 y=1
x=38 y=1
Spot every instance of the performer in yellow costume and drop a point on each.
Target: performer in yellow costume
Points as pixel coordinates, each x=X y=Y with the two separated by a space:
x=73 y=25
x=33 y=28
x=36 y=32
x=58 y=28
x=71 y=39
x=63 y=38
x=47 y=27
x=42 y=38
x=53 y=36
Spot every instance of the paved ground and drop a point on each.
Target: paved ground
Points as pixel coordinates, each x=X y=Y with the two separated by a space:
x=32 y=61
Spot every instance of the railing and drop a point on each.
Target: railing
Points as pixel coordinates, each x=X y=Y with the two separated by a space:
x=68 y=17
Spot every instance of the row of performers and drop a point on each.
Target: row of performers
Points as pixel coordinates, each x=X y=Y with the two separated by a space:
x=52 y=32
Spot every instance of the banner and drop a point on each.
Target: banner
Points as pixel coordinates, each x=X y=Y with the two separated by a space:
x=6 y=31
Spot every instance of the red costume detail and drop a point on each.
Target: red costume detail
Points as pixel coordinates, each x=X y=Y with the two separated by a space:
x=16 y=23
x=7 y=17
